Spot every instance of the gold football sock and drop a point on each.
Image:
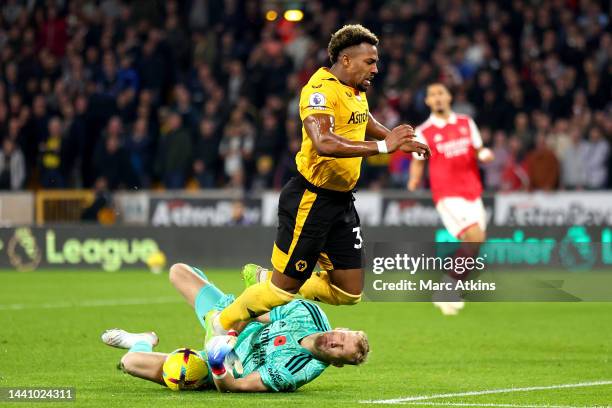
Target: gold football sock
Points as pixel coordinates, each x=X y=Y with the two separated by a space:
x=254 y=301
x=318 y=287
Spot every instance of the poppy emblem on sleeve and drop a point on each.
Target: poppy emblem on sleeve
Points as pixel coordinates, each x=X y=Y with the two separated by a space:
x=280 y=340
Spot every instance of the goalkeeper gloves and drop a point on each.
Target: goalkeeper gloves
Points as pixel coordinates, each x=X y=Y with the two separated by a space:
x=218 y=349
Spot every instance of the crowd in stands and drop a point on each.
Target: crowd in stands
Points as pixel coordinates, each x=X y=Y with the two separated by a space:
x=204 y=93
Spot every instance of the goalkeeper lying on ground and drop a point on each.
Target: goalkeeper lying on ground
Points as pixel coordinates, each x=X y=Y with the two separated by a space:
x=280 y=351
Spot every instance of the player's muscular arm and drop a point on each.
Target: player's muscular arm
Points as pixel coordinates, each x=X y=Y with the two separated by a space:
x=416 y=174
x=319 y=128
x=328 y=144
x=250 y=383
x=376 y=129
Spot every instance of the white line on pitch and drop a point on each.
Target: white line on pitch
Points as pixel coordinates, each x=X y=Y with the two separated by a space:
x=465 y=404
x=91 y=303
x=485 y=392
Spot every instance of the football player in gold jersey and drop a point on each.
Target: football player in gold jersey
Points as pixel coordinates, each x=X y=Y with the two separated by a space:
x=317 y=218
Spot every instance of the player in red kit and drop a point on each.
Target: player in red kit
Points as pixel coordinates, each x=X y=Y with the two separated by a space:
x=456 y=147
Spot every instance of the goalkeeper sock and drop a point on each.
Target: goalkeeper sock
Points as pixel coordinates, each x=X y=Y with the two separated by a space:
x=318 y=287
x=254 y=301
x=143 y=346
x=205 y=301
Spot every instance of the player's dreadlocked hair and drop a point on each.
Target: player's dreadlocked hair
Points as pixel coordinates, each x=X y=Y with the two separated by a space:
x=348 y=36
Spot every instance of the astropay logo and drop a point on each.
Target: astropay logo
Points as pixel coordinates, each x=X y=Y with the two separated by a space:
x=411 y=213
x=553 y=209
x=184 y=214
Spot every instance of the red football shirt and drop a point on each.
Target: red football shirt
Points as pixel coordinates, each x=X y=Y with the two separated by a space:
x=453 y=165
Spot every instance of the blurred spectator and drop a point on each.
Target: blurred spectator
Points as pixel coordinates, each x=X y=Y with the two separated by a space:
x=386 y=114
x=138 y=146
x=597 y=156
x=128 y=84
x=514 y=174
x=199 y=15
x=70 y=145
x=494 y=171
x=573 y=162
x=173 y=160
x=153 y=69
x=236 y=81
x=127 y=77
x=184 y=107
x=299 y=47
x=177 y=39
x=462 y=105
x=50 y=155
x=491 y=114
x=14 y=131
x=522 y=130
x=102 y=200
x=407 y=108
x=108 y=82
x=236 y=147
x=111 y=160
x=264 y=174
x=53 y=32
x=559 y=139
x=542 y=166
x=542 y=125
x=40 y=118
x=238 y=214
x=82 y=132
x=206 y=154
x=12 y=166
x=269 y=140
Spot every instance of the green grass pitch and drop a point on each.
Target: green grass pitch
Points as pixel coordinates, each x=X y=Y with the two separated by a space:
x=50 y=326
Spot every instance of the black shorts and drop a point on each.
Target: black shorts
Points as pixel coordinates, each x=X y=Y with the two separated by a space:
x=316 y=224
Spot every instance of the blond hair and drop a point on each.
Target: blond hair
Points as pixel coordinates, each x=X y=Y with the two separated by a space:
x=364 y=349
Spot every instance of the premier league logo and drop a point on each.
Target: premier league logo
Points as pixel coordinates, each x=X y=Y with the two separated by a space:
x=317 y=99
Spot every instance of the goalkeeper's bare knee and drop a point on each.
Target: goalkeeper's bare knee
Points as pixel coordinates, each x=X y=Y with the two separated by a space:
x=126 y=363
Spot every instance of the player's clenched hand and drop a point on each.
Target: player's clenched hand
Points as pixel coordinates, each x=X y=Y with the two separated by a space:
x=398 y=136
x=412 y=146
x=485 y=155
